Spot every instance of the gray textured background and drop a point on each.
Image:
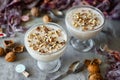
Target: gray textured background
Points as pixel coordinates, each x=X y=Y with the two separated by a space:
x=7 y=70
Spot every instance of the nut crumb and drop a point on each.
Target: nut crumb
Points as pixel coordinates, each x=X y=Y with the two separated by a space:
x=46 y=19
x=47 y=41
x=86 y=20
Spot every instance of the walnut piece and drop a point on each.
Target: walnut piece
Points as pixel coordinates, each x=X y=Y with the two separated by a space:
x=93 y=68
x=7 y=50
x=96 y=76
x=97 y=61
x=8 y=43
x=10 y=57
x=18 y=49
x=46 y=19
x=2 y=52
x=35 y=11
x=87 y=62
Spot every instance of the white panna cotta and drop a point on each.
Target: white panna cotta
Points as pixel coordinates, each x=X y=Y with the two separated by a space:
x=46 y=42
x=84 y=22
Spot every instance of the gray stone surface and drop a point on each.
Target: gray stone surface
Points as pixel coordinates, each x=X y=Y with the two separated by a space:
x=7 y=70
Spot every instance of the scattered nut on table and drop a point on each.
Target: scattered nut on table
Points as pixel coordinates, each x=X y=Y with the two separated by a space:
x=47 y=18
x=95 y=76
x=35 y=11
x=2 y=52
x=18 y=49
x=8 y=43
x=94 y=69
x=10 y=50
x=7 y=50
x=10 y=57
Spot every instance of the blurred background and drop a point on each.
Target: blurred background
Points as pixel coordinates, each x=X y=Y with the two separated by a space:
x=15 y=12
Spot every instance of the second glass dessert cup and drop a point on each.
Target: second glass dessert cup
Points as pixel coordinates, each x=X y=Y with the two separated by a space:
x=82 y=40
x=47 y=62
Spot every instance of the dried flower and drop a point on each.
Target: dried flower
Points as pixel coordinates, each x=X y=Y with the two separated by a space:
x=25 y=18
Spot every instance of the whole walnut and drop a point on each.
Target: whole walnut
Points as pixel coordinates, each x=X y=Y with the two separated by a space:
x=46 y=18
x=93 y=68
x=35 y=11
x=2 y=52
x=96 y=76
x=10 y=57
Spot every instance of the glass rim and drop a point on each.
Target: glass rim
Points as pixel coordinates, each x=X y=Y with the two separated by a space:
x=91 y=7
x=49 y=23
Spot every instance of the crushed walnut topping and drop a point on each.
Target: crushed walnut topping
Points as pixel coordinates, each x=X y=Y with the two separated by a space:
x=45 y=39
x=86 y=20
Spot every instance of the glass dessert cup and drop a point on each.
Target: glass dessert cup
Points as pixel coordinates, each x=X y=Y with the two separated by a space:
x=47 y=62
x=82 y=40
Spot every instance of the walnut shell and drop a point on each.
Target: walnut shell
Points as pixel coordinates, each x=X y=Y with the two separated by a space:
x=35 y=12
x=18 y=49
x=2 y=52
x=96 y=76
x=9 y=43
x=46 y=19
x=10 y=57
x=7 y=50
x=93 y=68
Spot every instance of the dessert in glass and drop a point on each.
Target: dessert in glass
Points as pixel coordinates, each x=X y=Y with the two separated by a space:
x=83 y=23
x=46 y=42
